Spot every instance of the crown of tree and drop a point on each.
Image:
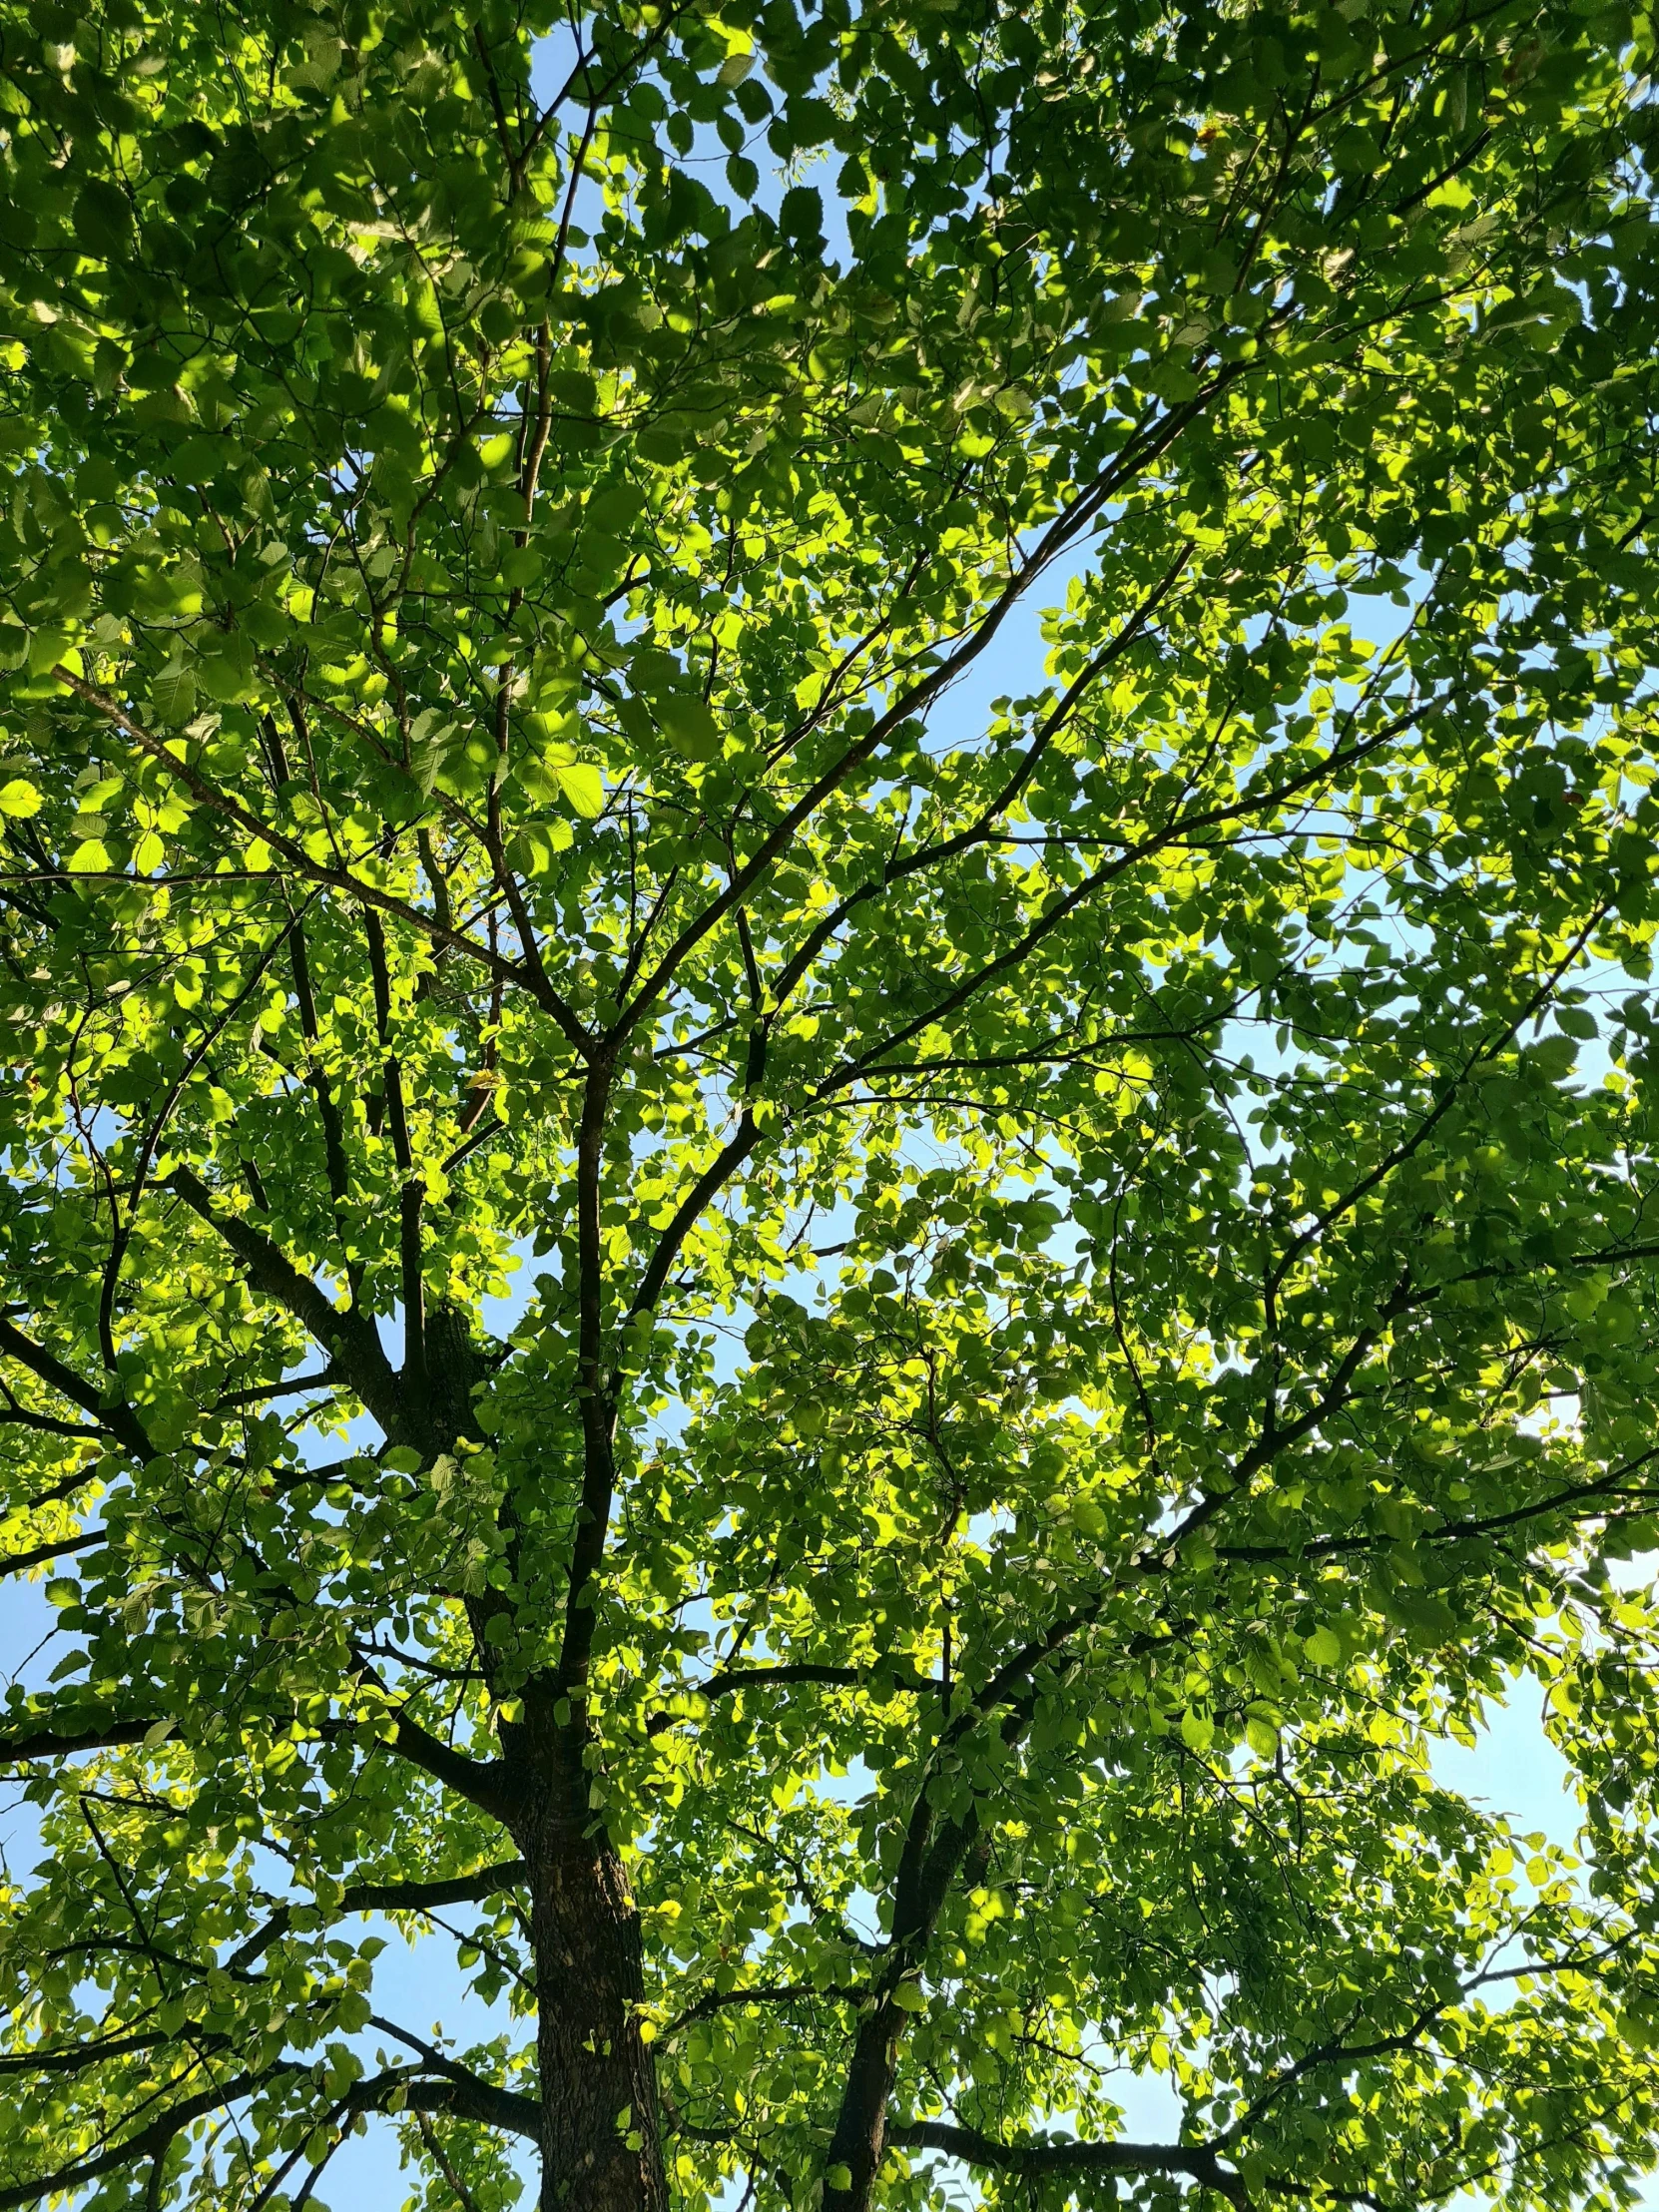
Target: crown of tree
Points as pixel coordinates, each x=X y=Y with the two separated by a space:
x=1079 y=1263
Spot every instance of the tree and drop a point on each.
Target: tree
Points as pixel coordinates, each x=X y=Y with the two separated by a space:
x=1080 y=1312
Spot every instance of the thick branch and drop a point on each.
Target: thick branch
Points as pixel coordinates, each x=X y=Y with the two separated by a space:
x=118 y=1422
x=146 y=2144
x=836 y=1678
x=100 y=1733
x=1035 y=2160
x=62 y=1550
x=77 y=2058
x=708 y=1186
x=473 y=2098
x=457 y=2090
x=387 y=1896
x=484 y=1783
x=350 y=1338
x=593 y=1395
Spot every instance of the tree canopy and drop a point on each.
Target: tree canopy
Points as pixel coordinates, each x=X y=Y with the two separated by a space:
x=1078 y=1264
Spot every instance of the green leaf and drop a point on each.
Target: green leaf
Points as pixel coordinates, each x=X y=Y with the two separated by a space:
x=689 y=725
x=1198 y=1730
x=173 y=695
x=534 y=848
x=582 y=785
x=224 y=666
x=103 y=217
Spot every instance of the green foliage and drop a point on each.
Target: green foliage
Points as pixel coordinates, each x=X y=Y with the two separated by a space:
x=1090 y=1258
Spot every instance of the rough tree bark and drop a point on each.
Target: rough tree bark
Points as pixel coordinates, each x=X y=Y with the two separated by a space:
x=601 y=2145
x=861 y=2125
x=601 y=2134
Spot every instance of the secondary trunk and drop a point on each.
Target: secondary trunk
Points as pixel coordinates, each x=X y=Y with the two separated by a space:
x=861 y=2124
x=601 y=2150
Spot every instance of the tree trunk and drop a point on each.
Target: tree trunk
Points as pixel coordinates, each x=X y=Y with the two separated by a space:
x=861 y=2124
x=930 y=1863
x=601 y=2148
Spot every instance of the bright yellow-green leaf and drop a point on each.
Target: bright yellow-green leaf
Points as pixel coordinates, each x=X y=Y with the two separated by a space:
x=581 y=784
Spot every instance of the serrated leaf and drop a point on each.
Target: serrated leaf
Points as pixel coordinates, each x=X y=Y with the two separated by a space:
x=583 y=787
x=173 y=695
x=225 y=670
x=1198 y=1730
x=1262 y=1736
